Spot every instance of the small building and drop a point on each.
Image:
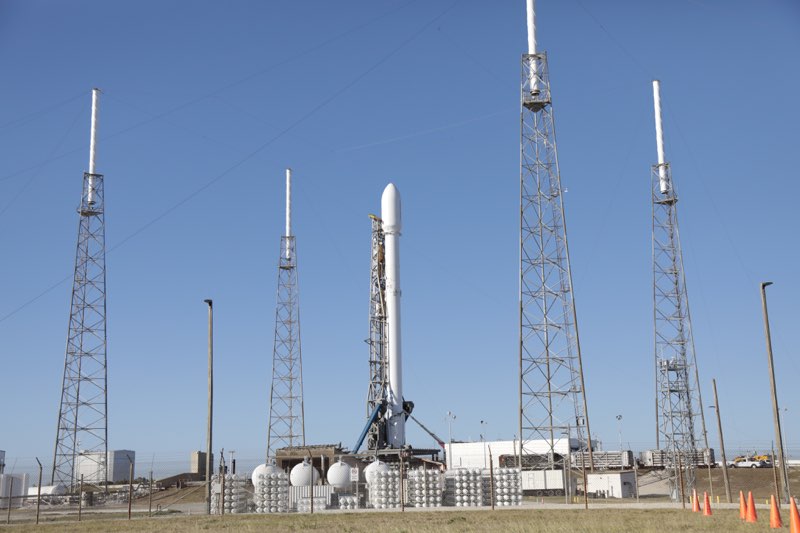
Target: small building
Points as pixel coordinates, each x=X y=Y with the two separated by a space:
x=476 y=454
x=197 y=463
x=612 y=484
x=13 y=490
x=91 y=464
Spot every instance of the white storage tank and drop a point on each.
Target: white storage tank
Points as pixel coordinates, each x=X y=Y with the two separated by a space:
x=48 y=490
x=339 y=475
x=302 y=474
x=373 y=468
x=264 y=470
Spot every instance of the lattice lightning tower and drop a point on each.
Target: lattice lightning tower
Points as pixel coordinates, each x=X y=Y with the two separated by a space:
x=677 y=384
x=378 y=364
x=552 y=393
x=82 y=414
x=286 y=417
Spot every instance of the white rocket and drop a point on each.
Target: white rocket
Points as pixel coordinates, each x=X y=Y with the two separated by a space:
x=392 y=227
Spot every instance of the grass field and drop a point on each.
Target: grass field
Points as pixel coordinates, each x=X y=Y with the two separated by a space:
x=507 y=521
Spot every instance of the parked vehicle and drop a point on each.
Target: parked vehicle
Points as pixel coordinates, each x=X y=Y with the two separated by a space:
x=750 y=462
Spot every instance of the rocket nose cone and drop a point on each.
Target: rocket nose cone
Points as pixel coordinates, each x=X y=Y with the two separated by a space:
x=390 y=209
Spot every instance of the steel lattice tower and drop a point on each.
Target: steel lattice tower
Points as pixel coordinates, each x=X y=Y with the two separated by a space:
x=82 y=415
x=677 y=383
x=286 y=416
x=552 y=393
x=378 y=364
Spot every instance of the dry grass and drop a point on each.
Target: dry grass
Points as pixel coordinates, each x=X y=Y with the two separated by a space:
x=507 y=521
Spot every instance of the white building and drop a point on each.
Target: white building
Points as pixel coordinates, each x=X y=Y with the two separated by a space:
x=91 y=464
x=13 y=486
x=612 y=484
x=476 y=454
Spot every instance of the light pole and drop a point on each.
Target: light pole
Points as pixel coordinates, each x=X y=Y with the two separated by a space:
x=775 y=412
x=619 y=429
x=450 y=418
x=209 y=426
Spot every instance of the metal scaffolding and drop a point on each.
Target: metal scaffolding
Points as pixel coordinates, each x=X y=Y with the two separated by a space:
x=82 y=415
x=378 y=364
x=286 y=417
x=677 y=388
x=552 y=392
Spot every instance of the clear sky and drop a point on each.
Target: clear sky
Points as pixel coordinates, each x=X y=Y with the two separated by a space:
x=205 y=103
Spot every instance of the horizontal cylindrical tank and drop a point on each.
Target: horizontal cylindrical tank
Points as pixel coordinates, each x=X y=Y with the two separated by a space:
x=302 y=475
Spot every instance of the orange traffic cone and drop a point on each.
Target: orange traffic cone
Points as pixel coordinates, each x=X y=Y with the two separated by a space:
x=794 y=517
x=706 y=505
x=742 y=506
x=695 y=503
x=775 y=521
x=752 y=515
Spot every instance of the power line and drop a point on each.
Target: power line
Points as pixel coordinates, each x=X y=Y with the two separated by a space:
x=250 y=155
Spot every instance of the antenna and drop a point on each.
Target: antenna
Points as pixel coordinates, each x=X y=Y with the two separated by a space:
x=531 y=10
x=531 y=14
x=93 y=146
x=662 y=169
x=288 y=208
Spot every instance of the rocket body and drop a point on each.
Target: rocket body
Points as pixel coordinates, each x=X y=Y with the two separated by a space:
x=392 y=227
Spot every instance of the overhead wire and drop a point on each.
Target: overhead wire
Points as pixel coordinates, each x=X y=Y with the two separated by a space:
x=37 y=174
x=324 y=103
x=218 y=90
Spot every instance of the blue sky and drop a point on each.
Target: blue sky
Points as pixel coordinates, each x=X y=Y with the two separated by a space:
x=204 y=105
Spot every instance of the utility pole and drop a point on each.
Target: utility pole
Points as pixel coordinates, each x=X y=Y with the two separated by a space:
x=775 y=411
x=210 y=420
x=722 y=444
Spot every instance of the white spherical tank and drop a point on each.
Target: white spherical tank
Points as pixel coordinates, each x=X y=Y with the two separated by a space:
x=263 y=470
x=339 y=475
x=374 y=468
x=301 y=475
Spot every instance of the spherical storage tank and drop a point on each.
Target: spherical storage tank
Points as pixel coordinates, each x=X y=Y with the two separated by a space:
x=373 y=468
x=339 y=475
x=264 y=470
x=301 y=475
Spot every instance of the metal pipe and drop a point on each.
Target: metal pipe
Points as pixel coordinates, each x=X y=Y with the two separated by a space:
x=662 y=167
x=722 y=444
x=10 y=493
x=210 y=416
x=150 y=498
x=531 y=12
x=130 y=487
x=80 y=498
x=93 y=146
x=774 y=392
x=288 y=211
x=39 y=491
